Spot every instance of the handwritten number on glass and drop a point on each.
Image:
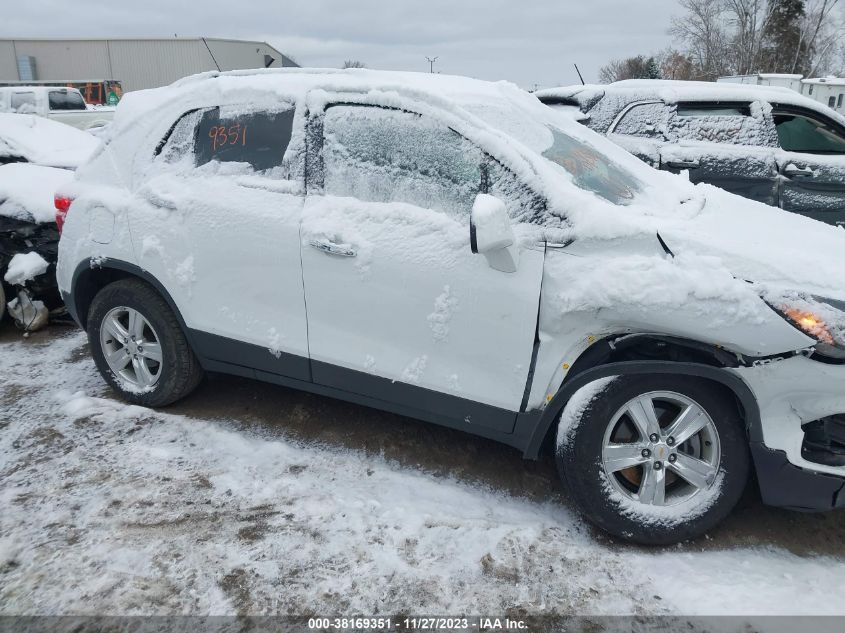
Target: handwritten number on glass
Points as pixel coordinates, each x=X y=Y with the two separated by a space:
x=221 y=136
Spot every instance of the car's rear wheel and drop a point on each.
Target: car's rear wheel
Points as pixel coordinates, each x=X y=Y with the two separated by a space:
x=653 y=459
x=139 y=346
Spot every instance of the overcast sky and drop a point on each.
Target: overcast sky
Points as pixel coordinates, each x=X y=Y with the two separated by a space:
x=529 y=42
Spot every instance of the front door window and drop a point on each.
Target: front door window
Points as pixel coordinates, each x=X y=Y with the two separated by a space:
x=800 y=132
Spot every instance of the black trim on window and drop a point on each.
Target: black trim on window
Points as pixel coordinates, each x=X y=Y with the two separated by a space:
x=743 y=107
x=163 y=142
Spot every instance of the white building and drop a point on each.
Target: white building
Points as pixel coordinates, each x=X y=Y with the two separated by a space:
x=766 y=79
x=135 y=63
x=827 y=90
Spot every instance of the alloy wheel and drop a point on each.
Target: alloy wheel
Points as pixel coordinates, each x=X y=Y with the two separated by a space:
x=661 y=448
x=131 y=347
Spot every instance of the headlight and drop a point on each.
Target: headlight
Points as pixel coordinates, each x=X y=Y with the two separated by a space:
x=820 y=318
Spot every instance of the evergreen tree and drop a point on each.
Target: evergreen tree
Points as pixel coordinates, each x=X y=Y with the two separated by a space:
x=784 y=49
x=653 y=69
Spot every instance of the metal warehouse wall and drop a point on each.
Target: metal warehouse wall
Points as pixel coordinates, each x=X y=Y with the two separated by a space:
x=136 y=63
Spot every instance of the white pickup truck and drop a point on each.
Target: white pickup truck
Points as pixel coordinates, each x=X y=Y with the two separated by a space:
x=65 y=105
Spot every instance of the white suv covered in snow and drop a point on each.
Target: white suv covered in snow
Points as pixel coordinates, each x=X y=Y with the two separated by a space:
x=455 y=251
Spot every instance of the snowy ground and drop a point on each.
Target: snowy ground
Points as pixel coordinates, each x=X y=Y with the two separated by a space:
x=254 y=499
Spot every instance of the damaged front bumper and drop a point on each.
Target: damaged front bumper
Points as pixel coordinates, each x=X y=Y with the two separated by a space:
x=795 y=395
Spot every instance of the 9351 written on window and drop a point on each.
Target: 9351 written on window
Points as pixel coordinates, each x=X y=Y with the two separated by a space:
x=257 y=138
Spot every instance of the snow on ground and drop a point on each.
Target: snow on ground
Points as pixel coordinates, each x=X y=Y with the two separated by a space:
x=115 y=509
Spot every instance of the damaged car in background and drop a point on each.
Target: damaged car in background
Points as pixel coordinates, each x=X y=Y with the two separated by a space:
x=765 y=143
x=37 y=157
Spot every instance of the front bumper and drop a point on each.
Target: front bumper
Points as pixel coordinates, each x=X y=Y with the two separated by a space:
x=788 y=486
x=791 y=393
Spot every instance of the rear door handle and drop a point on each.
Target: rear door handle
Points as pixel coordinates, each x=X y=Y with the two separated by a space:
x=682 y=164
x=794 y=171
x=329 y=247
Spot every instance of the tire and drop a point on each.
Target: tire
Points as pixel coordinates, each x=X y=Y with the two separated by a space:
x=2 y=298
x=159 y=365
x=617 y=486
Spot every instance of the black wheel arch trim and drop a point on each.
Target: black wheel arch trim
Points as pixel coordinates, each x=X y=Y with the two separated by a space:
x=573 y=383
x=88 y=268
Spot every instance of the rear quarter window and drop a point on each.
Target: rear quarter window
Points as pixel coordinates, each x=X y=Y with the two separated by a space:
x=23 y=102
x=258 y=139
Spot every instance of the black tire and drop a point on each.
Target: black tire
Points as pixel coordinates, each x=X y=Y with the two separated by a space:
x=581 y=437
x=180 y=371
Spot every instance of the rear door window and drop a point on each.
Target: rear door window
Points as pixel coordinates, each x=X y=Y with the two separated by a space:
x=643 y=120
x=727 y=123
x=800 y=131
x=66 y=100
x=23 y=102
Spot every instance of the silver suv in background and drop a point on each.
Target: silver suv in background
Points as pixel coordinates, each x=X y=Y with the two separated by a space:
x=768 y=144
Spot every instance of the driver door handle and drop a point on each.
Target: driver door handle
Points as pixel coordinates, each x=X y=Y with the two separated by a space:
x=329 y=247
x=792 y=171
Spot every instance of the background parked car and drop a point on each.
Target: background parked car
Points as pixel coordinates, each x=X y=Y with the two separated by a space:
x=65 y=105
x=37 y=157
x=768 y=144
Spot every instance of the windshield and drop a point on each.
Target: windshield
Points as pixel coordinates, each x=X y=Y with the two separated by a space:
x=592 y=170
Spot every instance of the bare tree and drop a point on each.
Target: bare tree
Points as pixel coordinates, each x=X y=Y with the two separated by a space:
x=822 y=32
x=724 y=37
x=750 y=20
x=675 y=65
x=703 y=32
x=639 y=67
x=353 y=63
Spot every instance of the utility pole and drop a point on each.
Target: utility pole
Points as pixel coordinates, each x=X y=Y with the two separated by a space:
x=431 y=61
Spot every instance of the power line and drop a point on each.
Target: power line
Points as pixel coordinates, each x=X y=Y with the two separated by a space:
x=431 y=61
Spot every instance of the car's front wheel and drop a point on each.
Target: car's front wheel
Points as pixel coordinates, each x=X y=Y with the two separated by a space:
x=653 y=459
x=138 y=345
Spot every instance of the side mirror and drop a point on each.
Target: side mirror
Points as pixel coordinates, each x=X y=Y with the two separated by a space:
x=491 y=234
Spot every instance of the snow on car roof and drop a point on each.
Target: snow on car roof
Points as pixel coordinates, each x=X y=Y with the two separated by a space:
x=44 y=142
x=679 y=91
x=444 y=90
x=508 y=122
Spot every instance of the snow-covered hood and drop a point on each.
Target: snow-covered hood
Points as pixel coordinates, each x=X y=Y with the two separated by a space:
x=761 y=244
x=27 y=191
x=44 y=142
